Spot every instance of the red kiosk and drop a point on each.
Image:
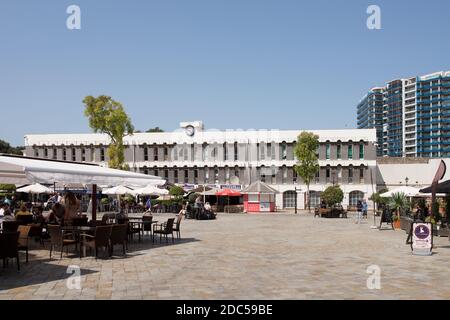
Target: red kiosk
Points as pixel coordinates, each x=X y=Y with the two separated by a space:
x=259 y=197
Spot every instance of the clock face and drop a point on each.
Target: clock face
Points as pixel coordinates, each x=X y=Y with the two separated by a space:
x=190 y=131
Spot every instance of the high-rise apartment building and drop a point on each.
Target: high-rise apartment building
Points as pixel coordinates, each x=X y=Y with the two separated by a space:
x=411 y=116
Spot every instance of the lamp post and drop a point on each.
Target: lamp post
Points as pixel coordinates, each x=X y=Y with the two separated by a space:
x=295 y=188
x=406 y=181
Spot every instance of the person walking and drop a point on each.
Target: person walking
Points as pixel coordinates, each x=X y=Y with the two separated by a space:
x=365 y=208
x=359 y=208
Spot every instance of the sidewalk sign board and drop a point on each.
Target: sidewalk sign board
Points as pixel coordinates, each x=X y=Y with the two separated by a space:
x=422 y=239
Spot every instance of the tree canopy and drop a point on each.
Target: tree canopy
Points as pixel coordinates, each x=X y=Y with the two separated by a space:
x=332 y=195
x=154 y=130
x=176 y=191
x=109 y=117
x=5 y=147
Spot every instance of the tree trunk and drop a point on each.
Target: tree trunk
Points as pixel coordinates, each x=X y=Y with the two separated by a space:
x=307 y=198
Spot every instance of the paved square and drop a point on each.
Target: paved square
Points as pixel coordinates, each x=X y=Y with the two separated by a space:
x=278 y=256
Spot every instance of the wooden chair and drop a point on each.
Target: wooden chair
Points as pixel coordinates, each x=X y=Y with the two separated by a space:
x=164 y=229
x=58 y=239
x=99 y=240
x=10 y=226
x=176 y=228
x=9 y=248
x=24 y=232
x=118 y=237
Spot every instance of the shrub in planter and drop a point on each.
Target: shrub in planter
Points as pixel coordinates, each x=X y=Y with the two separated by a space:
x=332 y=195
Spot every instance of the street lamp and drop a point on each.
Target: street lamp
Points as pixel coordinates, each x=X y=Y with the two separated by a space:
x=406 y=181
x=295 y=188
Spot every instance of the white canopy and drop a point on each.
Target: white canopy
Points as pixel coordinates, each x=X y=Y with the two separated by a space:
x=35 y=189
x=22 y=170
x=119 y=190
x=408 y=191
x=151 y=190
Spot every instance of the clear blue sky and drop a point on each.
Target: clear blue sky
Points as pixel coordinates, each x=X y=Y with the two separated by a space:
x=232 y=63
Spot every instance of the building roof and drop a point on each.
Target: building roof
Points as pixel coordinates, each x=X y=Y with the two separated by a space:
x=208 y=136
x=259 y=187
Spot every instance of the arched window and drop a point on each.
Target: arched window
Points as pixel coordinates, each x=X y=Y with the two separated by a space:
x=327 y=150
x=195 y=175
x=350 y=174
x=339 y=150
x=283 y=151
x=350 y=150
x=289 y=199
x=236 y=152
x=225 y=151
x=354 y=197
x=361 y=150
x=314 y=198
x=361 y=173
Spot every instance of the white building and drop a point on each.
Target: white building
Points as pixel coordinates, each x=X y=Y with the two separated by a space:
x=234 y=158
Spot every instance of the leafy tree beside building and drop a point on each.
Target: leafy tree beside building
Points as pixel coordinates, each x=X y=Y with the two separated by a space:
x=308 y=163
x=109 y=117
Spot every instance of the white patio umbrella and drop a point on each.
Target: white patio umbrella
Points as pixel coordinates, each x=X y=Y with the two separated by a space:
x=151 y=190
x=406 y=190
x=118 y=190
x=35 y=189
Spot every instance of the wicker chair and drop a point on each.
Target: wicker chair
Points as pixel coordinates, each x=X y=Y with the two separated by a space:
x=24 y=232
x=9 y=248
x=164 y=229
x=10 y=226
x=176 y=228
x=99 y=240
x=147 y=224
x=58 y=239
x=118 y=237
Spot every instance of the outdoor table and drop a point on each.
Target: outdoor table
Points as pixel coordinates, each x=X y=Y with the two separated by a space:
x=78 y=230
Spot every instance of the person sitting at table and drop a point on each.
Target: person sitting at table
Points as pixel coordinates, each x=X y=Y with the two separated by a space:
x=23 y=211
x=7 y=215
x=38 y=216
x=52 y=218
x=72 y=207
x=58 y=210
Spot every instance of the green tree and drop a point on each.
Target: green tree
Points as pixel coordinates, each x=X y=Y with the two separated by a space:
x=5 y=147
x=378 y=199
x=7 y=187
x=332 y=195
x=398 y=202
x=154 y=130
x=109 y=117
x=176 y=191
x=308 y=164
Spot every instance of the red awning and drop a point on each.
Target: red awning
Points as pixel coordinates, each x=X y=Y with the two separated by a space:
x=228 y=193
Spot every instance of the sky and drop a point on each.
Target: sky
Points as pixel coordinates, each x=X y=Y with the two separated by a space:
x=235 y=64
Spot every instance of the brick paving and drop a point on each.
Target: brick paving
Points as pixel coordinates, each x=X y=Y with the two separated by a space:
x=280 y=256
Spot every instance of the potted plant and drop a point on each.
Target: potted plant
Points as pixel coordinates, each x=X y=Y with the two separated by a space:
x=332 y=196
x=396 y=221
x=398 y=202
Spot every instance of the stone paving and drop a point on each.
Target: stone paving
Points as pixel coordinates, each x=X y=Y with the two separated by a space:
x=278 y=256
